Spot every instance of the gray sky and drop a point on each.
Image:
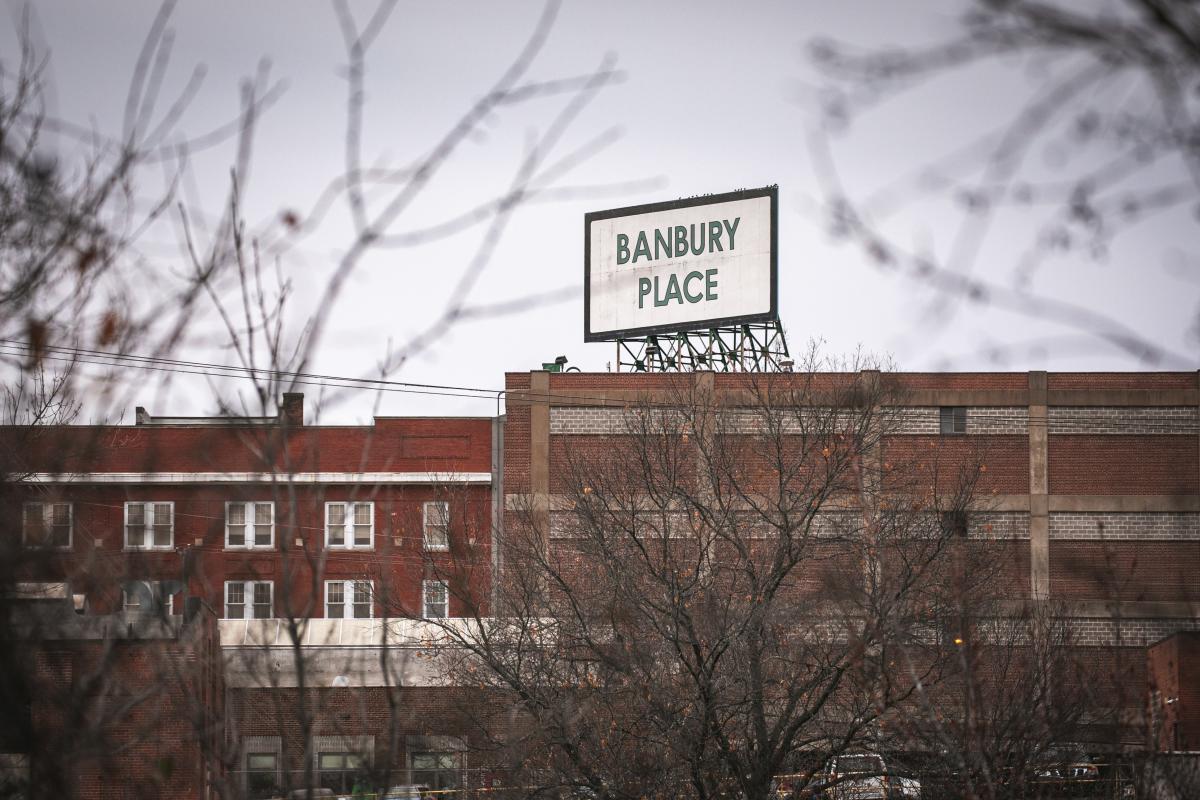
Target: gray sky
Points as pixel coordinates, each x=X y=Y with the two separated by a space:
x=718 y=96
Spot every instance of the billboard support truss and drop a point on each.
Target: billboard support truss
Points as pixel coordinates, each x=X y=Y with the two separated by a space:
x=751 y=347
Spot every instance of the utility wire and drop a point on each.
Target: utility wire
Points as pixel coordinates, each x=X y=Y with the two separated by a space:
x=208 y=369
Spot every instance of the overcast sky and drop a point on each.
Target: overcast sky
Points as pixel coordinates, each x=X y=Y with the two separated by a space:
x=715 y=96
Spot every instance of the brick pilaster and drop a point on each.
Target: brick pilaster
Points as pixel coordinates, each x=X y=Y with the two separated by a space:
x=872 y=477
x=539 y=450
x=1039 y=486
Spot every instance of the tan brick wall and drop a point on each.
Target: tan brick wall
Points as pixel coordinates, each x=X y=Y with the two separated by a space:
x=980 y=419
x=1111 y=526
x=1104 y=632
x=998 y=525
x=1113 y=420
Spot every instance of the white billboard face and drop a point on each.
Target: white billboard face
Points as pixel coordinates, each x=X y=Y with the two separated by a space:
x=680 y=266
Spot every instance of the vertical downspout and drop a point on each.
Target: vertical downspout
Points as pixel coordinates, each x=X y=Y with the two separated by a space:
x=497 y=503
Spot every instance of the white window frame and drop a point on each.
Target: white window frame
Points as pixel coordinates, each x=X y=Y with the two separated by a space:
x=46 y=509
x=247 y=606
x=440 y=755
x=156 y=588
x=348 y=525
x=147 y=525
x=425 y=526
x=259 y=750
x=425 y=607
x=249 y=509
x=348 y=603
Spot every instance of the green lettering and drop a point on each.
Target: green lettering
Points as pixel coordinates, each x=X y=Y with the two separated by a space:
x=622 y=248
x=662 y=243
x=672 y=290
x=710 y=284
x=642 y=248
x=681 y=246
x=688 y=282
x=714 y=236
x=732 y=229
x=643 y=290
x=697 y=239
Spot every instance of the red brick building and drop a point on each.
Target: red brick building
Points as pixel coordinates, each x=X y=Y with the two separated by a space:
x=110 y=705
x=262 y=517
x=1174 y=665
x=1090 y=500
x=311 y=532
x=300 y=537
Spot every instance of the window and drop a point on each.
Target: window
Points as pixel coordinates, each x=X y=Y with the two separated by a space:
x=47 y=525
x=149 y=526
x=954 y=523
x=340 y=772
x=436 y=602
x=249 y=524
x=953 y=419
x=146 y=597
x=262 y=774
x=349 y=525
x=956 y=633
x=248 y=599
x=437 y=525
x=436 y=770
x=348 y=599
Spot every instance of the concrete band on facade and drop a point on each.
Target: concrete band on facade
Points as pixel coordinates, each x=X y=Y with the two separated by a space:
x=1099 y=420
x=331 y=478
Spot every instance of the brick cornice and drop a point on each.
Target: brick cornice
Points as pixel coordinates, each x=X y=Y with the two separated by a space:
x=1132 y=504
x=1122 y=397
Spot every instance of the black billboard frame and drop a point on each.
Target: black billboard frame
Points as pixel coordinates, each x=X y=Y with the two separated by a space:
x=772 y=315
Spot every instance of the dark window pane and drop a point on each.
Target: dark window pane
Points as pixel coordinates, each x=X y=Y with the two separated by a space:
x=953 y=419
x=954 y=523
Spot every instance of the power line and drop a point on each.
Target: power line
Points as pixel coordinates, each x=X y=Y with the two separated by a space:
x=240 y=371
x=331 y=383
x=155 y=364
x=102 y=358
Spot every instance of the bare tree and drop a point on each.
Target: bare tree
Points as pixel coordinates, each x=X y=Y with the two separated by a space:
x=70 y=224
x=1109 y=104
x=722 y=591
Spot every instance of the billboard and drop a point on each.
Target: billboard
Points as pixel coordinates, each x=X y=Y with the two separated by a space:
x=682 y=265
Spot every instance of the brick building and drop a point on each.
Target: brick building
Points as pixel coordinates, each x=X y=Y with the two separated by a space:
x=302 y=538
x=1090 y=500
x=1174 y=665
x=109 y=705
x=262 y=517
x=309 y=533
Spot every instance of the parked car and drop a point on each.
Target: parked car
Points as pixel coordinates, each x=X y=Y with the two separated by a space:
x=407 y=792
x=1072 y=776
x=865 y=776
x=797 y=786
